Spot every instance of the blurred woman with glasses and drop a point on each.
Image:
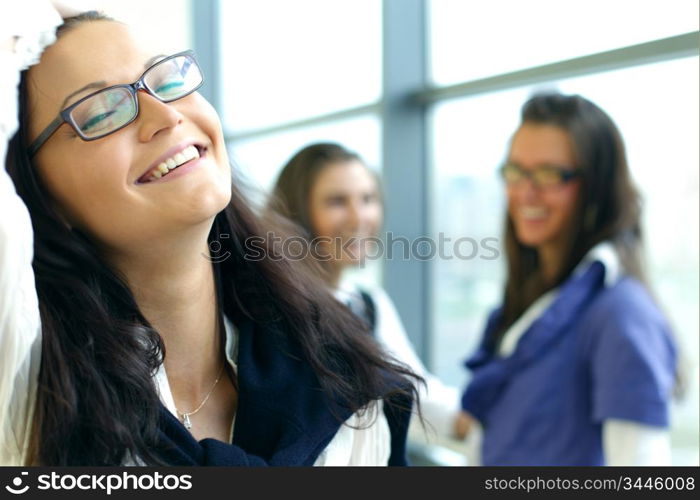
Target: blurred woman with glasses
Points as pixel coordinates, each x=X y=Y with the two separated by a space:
x=124 y=337
x=577 y=366
x=335 y=201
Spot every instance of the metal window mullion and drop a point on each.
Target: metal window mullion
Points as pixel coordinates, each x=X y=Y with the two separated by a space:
x=207 y=43
x=405 y=163
x=344 y=114
x=645 y=53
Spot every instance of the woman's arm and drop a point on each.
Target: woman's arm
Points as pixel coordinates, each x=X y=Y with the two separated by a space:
x=439 y=402
x=20 y=344
x=633 y=360
x=631 y=443
x=24 y=32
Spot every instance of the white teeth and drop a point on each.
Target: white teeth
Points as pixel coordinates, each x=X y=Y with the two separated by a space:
x=191 y=153
x=187 y=154
x=533 y=212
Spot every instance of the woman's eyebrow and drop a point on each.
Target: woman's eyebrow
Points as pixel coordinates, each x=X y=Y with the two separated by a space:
x=152 y=60
x=93 y=85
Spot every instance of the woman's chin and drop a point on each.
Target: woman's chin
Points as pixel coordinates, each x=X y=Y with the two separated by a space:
x=207 y=201
x=530 y=238
x=352 y=260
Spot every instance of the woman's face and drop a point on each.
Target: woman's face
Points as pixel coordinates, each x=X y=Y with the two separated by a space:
x=95 y=184
x=344 y=206
x=543 y=217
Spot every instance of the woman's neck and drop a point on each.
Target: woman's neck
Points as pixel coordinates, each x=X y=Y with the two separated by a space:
x=334 y=274
x=174 y=286
x=551 y=261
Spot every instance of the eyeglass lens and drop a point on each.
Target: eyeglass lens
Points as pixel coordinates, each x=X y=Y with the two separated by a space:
x=543 y=176
x=111 y=109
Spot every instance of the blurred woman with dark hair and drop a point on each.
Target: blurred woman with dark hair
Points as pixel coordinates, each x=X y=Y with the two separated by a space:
x=335 y=200
x=577 y=366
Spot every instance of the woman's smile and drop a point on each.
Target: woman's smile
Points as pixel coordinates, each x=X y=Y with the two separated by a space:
x=183 y=160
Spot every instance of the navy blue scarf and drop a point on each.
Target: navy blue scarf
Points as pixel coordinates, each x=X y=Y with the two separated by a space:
x=284 y=418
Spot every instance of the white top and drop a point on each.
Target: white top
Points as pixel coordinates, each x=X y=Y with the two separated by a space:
x=624 y=442
x=34 y=22
x=439 y=402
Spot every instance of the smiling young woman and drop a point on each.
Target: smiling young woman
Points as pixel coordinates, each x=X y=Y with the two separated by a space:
x=577 y=366
x=128 y=344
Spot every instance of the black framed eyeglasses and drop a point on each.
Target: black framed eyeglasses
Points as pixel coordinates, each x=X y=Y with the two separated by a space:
x=113 y=108
x=546 y=176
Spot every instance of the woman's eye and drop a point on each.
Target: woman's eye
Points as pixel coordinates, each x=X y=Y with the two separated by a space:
x=335 y=201
x=172 y=87
x=95 y=120
x=369 y=198
x=549 y=176
x=512 y=174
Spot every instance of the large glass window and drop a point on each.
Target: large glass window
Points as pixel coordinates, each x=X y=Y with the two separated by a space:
x=468 y=144
x=296 y=72
x=149 y=21
x=261 y=158
x=471 y=40
x=285 y=61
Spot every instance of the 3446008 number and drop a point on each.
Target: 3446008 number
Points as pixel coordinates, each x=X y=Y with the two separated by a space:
x=659 y=483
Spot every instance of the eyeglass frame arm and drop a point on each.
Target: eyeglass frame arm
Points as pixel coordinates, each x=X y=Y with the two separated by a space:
x=44 y=136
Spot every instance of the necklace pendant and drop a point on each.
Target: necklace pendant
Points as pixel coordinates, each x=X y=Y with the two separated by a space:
x=186 y=421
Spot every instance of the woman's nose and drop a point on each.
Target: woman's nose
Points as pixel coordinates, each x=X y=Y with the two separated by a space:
x=155 y=116
x=354 y=213
x=527 y=189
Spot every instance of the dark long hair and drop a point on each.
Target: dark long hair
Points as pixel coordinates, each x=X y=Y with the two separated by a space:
x=609 y=205
x=97 y=403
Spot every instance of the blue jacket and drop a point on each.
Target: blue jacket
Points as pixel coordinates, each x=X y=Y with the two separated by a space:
x=283 y=416
x=596 y=353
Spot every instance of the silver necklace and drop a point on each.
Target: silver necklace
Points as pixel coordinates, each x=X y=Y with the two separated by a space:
x=186 y=415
